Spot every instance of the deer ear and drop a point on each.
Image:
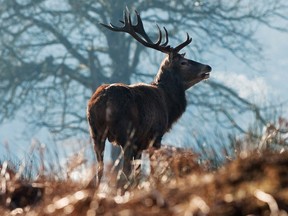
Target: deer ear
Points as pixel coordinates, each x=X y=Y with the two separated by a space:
x=174 y=55
x=183 y=54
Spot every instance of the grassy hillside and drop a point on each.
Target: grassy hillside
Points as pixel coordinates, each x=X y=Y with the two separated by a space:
x=177 y=183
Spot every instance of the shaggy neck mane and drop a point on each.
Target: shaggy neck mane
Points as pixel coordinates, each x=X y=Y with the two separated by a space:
x=170 y=82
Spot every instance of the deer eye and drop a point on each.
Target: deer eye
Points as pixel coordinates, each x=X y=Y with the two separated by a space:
x=183 y=63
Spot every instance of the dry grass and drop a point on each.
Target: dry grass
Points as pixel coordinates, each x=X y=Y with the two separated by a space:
x=254 y=184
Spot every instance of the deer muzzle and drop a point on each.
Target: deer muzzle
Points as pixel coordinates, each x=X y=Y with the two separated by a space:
x=205 y=72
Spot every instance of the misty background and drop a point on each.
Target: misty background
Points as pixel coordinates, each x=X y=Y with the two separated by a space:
x=54 y=55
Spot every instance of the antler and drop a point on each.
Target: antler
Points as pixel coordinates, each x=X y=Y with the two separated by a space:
x=182 y=45
x=138 y=30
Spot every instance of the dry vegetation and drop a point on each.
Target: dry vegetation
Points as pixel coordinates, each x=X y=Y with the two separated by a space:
x=255 y=182
x=178 y=185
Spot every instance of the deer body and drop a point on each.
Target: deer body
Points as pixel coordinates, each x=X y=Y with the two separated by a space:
x=129 y=112
x=137 y=116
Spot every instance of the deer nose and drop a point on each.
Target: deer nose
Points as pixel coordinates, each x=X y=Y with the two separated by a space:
x=207 y=68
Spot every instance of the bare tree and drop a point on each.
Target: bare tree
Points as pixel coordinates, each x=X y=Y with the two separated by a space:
x=53 y=54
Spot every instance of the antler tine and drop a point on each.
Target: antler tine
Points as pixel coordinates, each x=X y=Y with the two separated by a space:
x=166 y=37
x=182 y=45
x=126 y=22
x=158 y=42
x=115 y=28
x=127 y=18
x=139 y=28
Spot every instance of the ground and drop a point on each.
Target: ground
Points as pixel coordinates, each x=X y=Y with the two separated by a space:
x=177 y=183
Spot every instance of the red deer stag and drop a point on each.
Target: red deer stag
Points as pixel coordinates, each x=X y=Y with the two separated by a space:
x=137 y=116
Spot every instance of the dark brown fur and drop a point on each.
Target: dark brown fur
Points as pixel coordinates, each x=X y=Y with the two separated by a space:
x=136 y=116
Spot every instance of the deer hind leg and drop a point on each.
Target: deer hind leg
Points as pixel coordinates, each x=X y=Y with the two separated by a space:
x=99 y=151
x=99 y=146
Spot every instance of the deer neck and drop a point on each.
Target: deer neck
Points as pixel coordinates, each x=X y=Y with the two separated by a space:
x=170 y=83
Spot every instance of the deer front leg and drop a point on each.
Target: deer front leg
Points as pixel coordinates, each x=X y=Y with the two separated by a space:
x=157 y=142
x=128 y=156
x=127 y=167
